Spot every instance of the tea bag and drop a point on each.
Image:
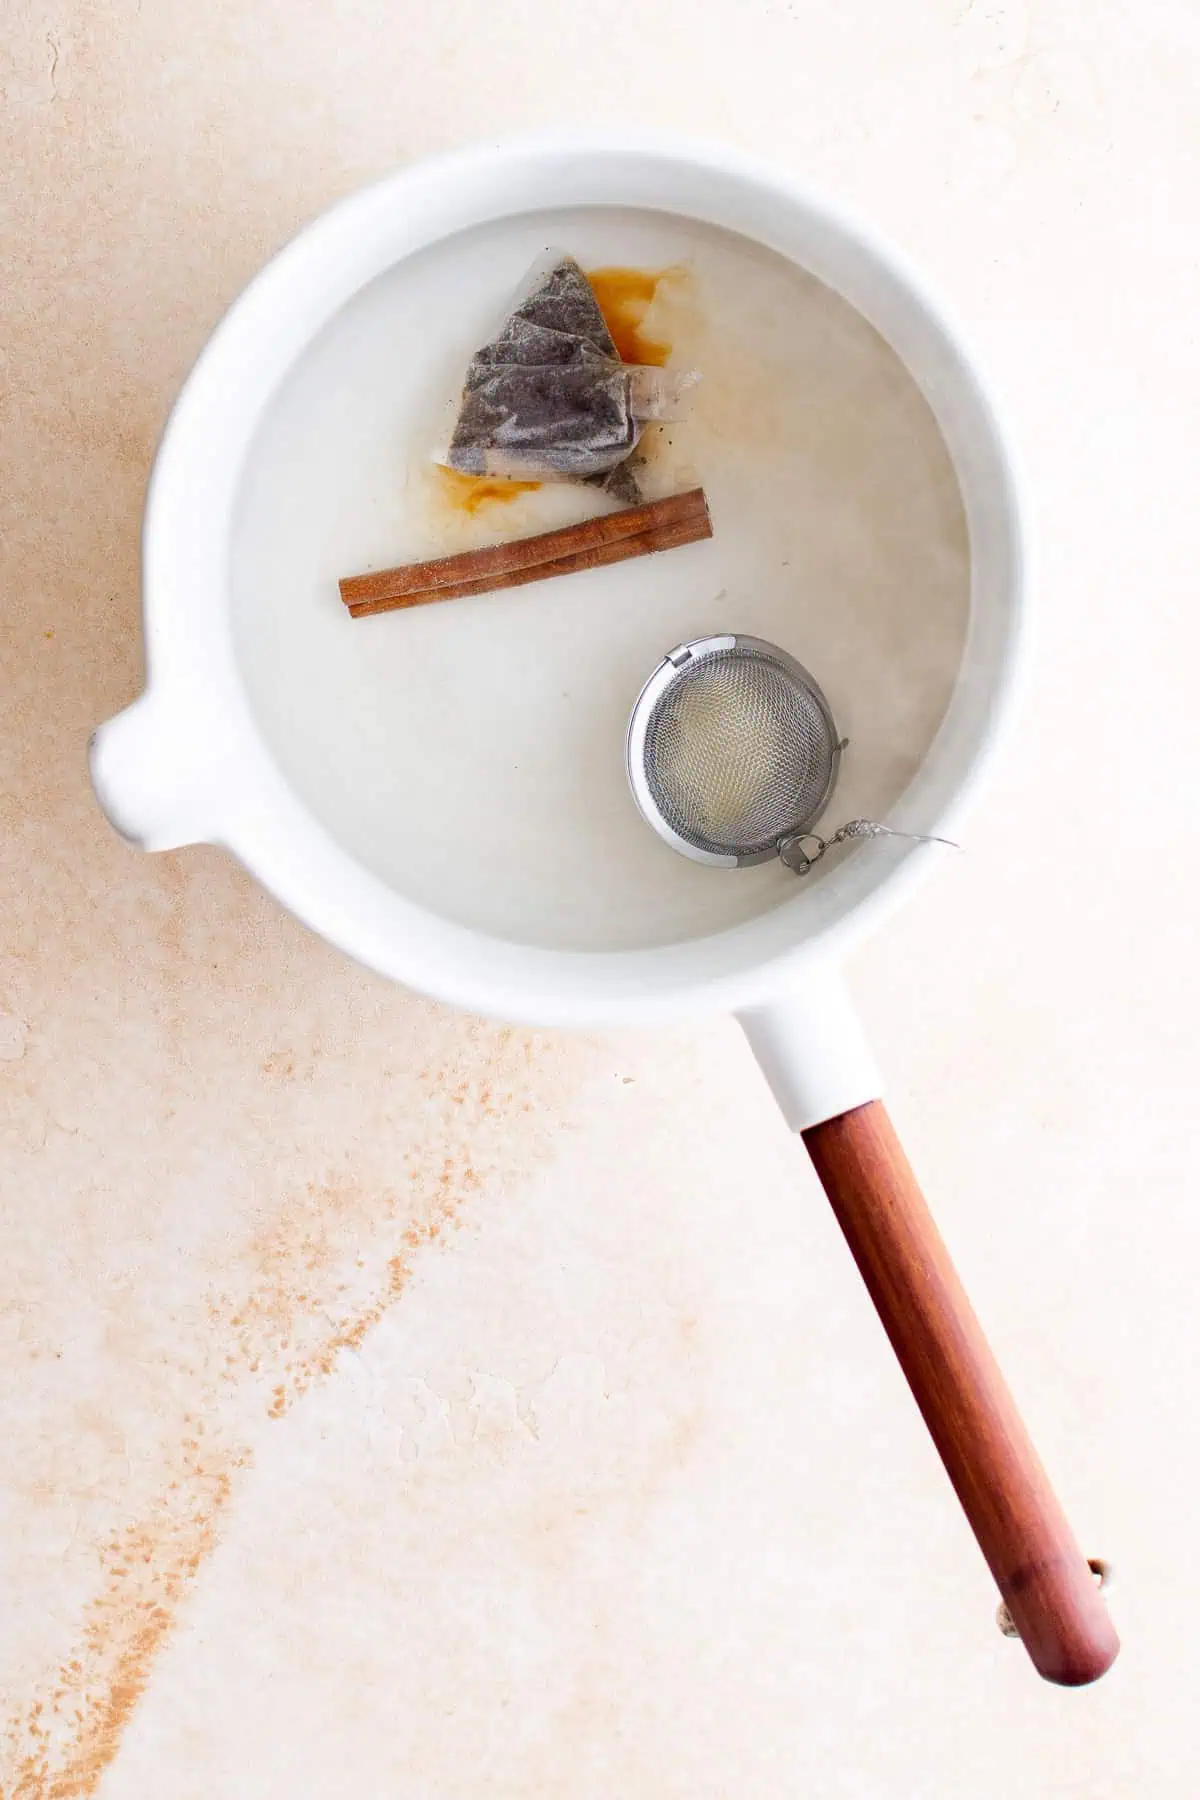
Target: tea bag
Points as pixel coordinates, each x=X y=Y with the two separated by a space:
x=550 y=399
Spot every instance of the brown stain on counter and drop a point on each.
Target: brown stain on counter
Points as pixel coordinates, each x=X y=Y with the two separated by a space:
x=153 y=1564
x=322 y=1263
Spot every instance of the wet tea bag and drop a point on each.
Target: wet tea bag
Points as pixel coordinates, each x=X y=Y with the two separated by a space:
x=549 y=399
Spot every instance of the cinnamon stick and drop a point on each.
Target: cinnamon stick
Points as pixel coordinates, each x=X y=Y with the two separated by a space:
x=593 y=543
x=642 y=543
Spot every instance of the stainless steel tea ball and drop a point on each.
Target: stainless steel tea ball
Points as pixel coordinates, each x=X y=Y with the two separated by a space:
x=732 y=750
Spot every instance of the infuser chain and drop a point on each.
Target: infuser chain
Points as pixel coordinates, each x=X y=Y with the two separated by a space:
x=795 y=855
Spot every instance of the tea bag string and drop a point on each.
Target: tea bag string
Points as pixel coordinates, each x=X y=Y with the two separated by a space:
x=802 y=849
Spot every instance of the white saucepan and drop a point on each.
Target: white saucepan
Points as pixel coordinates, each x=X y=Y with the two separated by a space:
x=442 y=796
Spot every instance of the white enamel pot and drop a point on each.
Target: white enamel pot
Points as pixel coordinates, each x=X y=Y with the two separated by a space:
x=189 y=763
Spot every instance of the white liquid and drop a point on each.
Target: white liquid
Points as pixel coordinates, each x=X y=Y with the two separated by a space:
x=472 y=753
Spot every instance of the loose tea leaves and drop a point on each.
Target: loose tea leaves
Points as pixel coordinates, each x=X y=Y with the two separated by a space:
x=549 y=398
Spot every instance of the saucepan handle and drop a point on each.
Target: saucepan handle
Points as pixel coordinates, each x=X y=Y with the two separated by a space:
x=1044 y=1579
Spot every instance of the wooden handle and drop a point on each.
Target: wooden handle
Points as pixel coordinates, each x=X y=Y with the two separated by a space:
x=1010 y=1505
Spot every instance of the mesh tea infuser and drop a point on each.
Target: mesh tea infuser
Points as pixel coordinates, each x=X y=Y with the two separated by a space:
x=733 y=756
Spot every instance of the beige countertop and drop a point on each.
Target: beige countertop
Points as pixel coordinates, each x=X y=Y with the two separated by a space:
x=400 y=1405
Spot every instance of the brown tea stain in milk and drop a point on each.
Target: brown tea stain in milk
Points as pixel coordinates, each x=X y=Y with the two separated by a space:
x=471 y=494
x=627 y=298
